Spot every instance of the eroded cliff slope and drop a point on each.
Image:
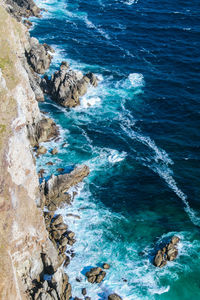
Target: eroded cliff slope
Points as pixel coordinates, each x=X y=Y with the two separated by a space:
x=23 y=236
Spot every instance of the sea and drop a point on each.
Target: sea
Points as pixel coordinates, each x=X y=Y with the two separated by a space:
x=139 y=133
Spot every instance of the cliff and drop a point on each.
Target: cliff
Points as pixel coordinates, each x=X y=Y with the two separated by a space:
x=26 y=252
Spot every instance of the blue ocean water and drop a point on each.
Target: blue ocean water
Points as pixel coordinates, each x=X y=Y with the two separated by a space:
x=139 y=132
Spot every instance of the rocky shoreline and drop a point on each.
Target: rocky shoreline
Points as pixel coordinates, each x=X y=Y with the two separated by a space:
x=37 y=247
x=37 y=263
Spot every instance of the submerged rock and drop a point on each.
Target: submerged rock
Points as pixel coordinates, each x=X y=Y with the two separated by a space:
x=67 y=86
x=167 y=253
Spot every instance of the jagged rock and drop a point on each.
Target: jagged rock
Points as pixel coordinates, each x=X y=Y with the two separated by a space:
x=28 y=23
x=106 y=266
x=22 y=8
x=95 y=275
x=42 y=131
x=38 y=56
x=114 y=297
x=167 y=253
x=56 y=188
x=84 y=291
x=87 y=298
x=66 y=86
x=54 y=151
x=41 y=150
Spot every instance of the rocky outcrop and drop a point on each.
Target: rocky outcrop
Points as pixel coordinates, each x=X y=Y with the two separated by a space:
x=38 y=55
x=43 y=130
x=95 y=275
x=67 y=86
x=22 y=8
x=55 y=190
x=167 y=253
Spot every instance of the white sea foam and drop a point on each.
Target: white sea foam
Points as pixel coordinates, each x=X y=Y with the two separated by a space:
x=137 y=80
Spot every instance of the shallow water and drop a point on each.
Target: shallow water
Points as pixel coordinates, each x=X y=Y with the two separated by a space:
x=138 y=131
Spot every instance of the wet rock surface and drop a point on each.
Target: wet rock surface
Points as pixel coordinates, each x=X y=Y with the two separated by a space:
x=167 y=253
x=67 y=86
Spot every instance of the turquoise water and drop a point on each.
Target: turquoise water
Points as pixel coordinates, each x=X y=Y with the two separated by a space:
x=138 y=131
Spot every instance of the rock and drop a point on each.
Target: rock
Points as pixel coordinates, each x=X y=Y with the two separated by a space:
x=22 y=8
x=87 y=298
x=93 y=79
x=38 y=56
x=60 y=170
x=55 y=189
x=41 y=150
x=175 y=240
x=54 y=151
x=84 y=291
x=28 y=23
x=158 y=259
x=49 y=163
x=167 y=253
x=42 y=131
x=78 y=279
x=95 y=275
x=41 y=173
x=106 y=266
x=67 y=262
x=114 y=297
x=67 y=86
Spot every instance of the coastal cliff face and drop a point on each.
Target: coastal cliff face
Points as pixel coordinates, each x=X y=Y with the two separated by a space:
x=23 y=233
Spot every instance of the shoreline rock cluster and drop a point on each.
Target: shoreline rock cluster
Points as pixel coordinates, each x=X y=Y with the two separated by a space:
x=168 y=253
x=67 y=86
x=37 y=243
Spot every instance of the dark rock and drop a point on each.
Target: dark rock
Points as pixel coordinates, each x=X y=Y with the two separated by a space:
x=41 y=173
x=106 y=266
x=114 y=297
x=84 y=291
x=54 y=151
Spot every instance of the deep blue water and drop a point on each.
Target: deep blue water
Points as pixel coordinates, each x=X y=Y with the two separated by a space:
x=139 y=132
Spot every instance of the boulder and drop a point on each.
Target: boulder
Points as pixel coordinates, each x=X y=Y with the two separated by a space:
x=95 y=275
x=106 y=266
x=114 y=297
x=84 y=291
x=167 y=253
x=66 y=86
